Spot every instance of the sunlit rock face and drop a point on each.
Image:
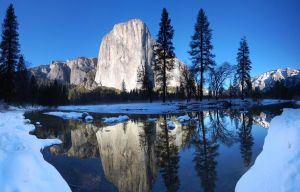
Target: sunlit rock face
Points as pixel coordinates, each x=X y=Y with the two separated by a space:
x=127 y=162
x=265 y=81
x=80 y=71
x=122 y=51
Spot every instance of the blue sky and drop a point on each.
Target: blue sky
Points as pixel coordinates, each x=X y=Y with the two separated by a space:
x=66 y=29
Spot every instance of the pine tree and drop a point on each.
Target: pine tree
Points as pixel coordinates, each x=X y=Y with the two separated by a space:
x=145 y=80
x=200 y=52
x=21 y=80
x=163 y=53
x=242 y=76
x=9 y=52
x=33 y=89
x=123 y=87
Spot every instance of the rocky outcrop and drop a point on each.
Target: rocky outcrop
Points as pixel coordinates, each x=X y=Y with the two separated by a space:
x=289 y=76
x=80 y=71
x=122 y=51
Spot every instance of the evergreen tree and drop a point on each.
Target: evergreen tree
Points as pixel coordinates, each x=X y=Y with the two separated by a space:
x=242 y=75
x=123 y=87
x=21 y=80
x=33 y=90
x=187 y=82
x=200 y=52
x=145 y=80
x=9 y=54
x=163 y=53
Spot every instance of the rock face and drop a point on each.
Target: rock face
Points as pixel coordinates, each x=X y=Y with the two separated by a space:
x=122 y=51
x=80 y=71
x=267 y=80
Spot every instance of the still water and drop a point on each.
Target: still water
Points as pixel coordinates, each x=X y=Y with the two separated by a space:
x=209 y=153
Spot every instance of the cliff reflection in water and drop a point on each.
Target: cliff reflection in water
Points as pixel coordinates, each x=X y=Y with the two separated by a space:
x=135 y=153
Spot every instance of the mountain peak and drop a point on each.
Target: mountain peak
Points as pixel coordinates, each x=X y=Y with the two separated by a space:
x=267 y=80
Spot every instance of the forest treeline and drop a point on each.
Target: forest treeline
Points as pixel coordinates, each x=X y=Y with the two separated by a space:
x=18 y=86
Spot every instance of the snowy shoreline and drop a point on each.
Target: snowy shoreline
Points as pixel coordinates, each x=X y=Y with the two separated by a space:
x=277 y=168
x=22 y=165
x=171 y=107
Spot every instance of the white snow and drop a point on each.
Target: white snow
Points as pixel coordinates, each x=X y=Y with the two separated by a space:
x=112 y=120
x=65 y=115
x=22 y=166
x=152 y=119
x=183 y=118
x=88 y=118
x=277 y=168
x=171 y=124
x=37 y=123
x=128 y=108
x=172 y=107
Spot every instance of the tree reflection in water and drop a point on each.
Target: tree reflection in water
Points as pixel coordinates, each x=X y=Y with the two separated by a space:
x=219 y=127
x=167 y=157
x=246 y=138
x=204 y=157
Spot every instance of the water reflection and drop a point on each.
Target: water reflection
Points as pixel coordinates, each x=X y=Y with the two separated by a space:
x=135 y=153
x=166 y=152
x=206 y=150
x=246 y=138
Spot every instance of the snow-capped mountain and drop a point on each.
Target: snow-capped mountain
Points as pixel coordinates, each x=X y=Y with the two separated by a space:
x=290 y=77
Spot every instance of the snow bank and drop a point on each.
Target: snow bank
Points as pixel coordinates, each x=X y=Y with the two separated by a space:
x=22 y=165
x=112 y=120
x=128 y=108
x=183 y=118
x=277 y=168
x=65 y=115
x=152 y=119
x=171 y=124
x=71 y=115
x=174 y=107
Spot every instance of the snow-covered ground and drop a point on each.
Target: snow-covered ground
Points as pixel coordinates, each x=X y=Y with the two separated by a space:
x=113 y=120
x=183 y=118
x=277 y=168
x=22 y=166
x=158 y=107
x=65 y=115
x=72 y=115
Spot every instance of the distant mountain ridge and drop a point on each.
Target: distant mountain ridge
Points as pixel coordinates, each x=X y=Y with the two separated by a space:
x=123 y=50
x=265 y=81
x=80 y=71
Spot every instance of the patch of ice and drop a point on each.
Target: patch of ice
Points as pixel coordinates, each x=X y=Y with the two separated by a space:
x=112 y=120
x=277 y=168
x=183 y=118
x=22 y=165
